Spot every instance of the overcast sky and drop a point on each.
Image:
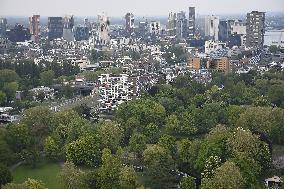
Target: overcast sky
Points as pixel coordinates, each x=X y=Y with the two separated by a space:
x=138 y=7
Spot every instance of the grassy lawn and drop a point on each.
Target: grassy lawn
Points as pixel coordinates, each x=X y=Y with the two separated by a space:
x=46 y=172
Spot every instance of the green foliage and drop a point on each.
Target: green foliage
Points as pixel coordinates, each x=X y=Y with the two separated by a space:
x=128 y=178
x=109 y=172
x=72 y=177
x=5 y=175
x=159 y=165
x=51 y=149
x=137 y=143
x=84 y=151
x=110 y=135
x=269 y=121
x=145 y=111
x=3 y=98
x=187 y=183
x=226 y=176
x=47 y=77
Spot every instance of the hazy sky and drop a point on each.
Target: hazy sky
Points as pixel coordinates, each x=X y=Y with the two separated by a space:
x=138 y=7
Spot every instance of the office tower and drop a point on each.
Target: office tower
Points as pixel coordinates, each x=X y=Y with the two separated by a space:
x=212 y=27
x=142 y=28
x=223 y=32
x=255 y=29
x=103 y=29
x=191 y=22
x=87 y=23
x=129 y=23
x=68 y=25
x=181 y=25
x=35 y=28
x=81 y=33
x=172 y=23
x=3 y=27
x=55 y=27
x=155 y=28
x=19 y=34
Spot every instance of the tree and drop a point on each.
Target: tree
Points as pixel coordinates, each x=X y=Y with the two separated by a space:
x=128 y=178
x=141 y=109
x=34 y=184
x=84 y=151
x=5 y=175
x=168 y=142
x=71 y=177
x=51 y=149
x=276 y=94
x=273 y=49
x=187 y=183
x=250 y=154
x=47 y=77
x=159 y=166
x=110 y=134
x=28 y=184
x=7 y=76
x=108 y=173
x=3 y=98
x=226 y=176
x=10 y=90
x=137 y=144
x=18 y=137
x=152 y=133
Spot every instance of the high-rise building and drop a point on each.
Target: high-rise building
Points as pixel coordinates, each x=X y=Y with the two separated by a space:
x=129 y=23
x=143 y=28
x=172 y=24
x=81 y=33
x=34 y=22
x=68 y=25
x=223 y=32
x=55 y=27
x=181 y=25
x=155 y=28
x=19 y=34
x=103 y=29
x=191 y=22
x=212 y=27
x=3 y=27
x=255 y=29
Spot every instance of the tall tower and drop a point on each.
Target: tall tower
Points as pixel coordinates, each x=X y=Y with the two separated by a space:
x=68 y=25
x=103 y=29
x=129 y=23
x=3 y=27
x=181 y=25
x=55 y=27
x=255 y=29
x=212 y=27
x=34 y=22
x=191 y=22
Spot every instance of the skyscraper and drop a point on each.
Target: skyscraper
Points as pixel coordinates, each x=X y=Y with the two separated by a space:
x=191 y=22
x=255 y=29
x=34 y=22
x=3 y=27
x=212 y=27
x=181 y=25
x=55 y=27
x=223 y=32
x=68 y=25
x=172 y=24
x=129 y=23
x=103 y=29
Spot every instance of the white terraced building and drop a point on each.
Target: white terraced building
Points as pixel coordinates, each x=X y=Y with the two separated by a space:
x=114 y=90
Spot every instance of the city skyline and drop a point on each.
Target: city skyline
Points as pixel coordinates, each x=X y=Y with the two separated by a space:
x=139 y=8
